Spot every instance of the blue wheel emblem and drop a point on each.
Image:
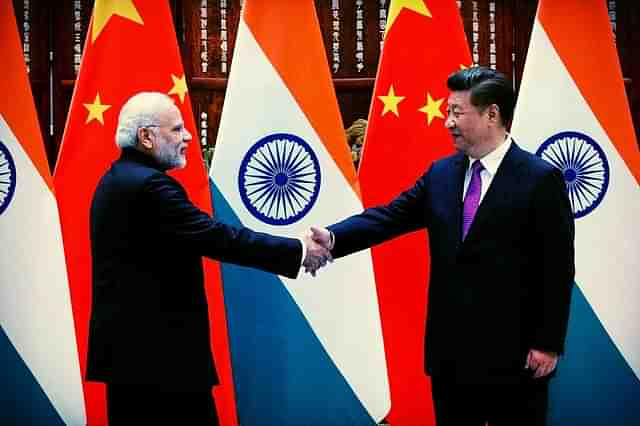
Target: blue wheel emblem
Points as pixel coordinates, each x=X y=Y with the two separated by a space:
x=279 y=179
x=7 y=178
x=584 y=166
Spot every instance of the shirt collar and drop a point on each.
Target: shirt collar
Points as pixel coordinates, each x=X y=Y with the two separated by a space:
x=492 y=160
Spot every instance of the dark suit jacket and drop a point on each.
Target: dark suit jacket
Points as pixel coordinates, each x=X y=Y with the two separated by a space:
x=149 y=321
x=506 y=288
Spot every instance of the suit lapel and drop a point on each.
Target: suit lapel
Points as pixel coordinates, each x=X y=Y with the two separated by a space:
x=504 y=183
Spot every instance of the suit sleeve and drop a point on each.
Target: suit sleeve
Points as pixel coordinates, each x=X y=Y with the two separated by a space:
x=554 y=236
x=189 y=228
x=375 y=225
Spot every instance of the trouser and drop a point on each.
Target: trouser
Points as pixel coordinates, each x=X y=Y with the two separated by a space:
x=142 y=405
x=460 y=404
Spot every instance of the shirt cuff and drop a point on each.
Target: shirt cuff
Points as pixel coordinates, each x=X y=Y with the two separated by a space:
x=304 y=251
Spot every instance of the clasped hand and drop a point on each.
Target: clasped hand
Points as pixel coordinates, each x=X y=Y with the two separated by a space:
x=319 y=245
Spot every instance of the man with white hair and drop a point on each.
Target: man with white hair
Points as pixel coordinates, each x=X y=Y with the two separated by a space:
x=149 y=329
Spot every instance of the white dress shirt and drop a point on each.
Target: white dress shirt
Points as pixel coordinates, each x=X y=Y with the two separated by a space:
x=491 y=162
x=304 y=251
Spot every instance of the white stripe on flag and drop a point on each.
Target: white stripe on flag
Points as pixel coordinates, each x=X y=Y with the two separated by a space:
x=35 y=306
x=341 y=303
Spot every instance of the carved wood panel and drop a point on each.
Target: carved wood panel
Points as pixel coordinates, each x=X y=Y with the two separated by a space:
x=498 y=32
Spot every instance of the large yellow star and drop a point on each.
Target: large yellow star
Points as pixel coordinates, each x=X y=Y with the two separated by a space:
x=96 y=110
x=432 y=109
x=179 y=87
x=396 y=7
x=103 y=10
x=391 y=102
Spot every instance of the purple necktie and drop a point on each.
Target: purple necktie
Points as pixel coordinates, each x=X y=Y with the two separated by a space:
x=472 y=198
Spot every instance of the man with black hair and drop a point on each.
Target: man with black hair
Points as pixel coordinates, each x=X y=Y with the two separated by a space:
x=501 y=234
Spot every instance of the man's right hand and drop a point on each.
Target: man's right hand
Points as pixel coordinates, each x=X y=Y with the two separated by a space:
x=317 y=255
x=323 y=237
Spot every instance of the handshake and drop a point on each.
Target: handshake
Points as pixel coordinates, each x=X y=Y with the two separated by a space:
x=319 y=242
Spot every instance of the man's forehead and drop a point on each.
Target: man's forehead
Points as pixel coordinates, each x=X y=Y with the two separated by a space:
x=459 y=98
x=171 y=114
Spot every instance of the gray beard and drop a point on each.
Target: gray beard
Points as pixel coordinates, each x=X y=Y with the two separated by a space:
x=169 y=159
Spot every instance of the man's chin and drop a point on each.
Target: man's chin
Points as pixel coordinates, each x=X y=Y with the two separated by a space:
x=176 y=164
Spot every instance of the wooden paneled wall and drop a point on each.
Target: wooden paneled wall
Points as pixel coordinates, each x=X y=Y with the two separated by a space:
x=498 y=32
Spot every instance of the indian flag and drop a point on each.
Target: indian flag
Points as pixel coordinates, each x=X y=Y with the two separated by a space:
x=572 y=111
x=39 y=373
x=310 y=350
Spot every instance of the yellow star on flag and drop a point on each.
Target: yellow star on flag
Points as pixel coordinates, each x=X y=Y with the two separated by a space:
x=396 y=7
x=105 y=9
x=96 y=110
x=179 y=87
x=432 y=109
x=391 y=102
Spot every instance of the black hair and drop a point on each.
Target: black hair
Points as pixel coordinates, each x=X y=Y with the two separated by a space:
x=487 y=87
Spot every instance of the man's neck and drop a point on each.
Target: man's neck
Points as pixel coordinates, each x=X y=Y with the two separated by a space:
x=492 y=143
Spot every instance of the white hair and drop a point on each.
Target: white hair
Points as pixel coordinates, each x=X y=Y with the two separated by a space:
x=141 y=110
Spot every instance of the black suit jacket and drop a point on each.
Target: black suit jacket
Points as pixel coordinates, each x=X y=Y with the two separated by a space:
x=149 y=321
x=506 y=288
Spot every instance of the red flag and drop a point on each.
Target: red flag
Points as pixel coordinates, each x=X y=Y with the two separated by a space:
x=131 y=47
x=424 y=43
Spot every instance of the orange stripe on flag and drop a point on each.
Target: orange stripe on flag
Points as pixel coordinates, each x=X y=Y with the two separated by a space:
x=17 y=99
x=598 y=77
x=318 y=100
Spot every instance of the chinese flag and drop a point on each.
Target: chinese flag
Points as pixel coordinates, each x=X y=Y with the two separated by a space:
x=424 y=43
x=131 y=47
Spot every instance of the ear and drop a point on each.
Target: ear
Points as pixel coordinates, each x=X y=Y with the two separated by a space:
x=494 y=113
x=144 y=138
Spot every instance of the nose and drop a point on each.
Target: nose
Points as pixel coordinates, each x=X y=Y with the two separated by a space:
x=449 y=123
x=186 y=136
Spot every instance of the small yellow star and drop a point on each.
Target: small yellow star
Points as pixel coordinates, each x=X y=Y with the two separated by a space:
x=105 y=9
x=396 y=7
x=391 y=101
x=96 y=109
x=464 y=67
x=179 y=87
x=432 y=109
